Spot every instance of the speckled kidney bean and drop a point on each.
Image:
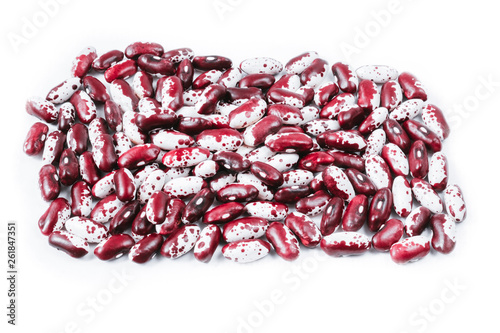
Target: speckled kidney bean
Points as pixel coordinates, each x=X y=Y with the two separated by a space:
x=236 y=95
x=438 y=171
x=292 y=194
x=120 y=70
x=304 y=228
x=66 y=117
x=122 y=143
x=434 y=119
x=198 y=206
x=316 y=161
x=267 y=174
x=42 y=109
x=139 y=155
x=62 y=92
x=84 y=106
x=106 y=209
x=361 y=183
x=134 y=133
x=407 y=110
x=172 y=94
x=289 y=115
x=237 y=192
x=223 y=213
x=290 y=82
x=443 y=233
x=317 y=183
x=377 y=73
x=48 y=181
x=54 y=146
x=396 y=135
x=418 y=160
x=68 y=168
x=454 y=203
x=345 y=244
x=338 y=183
x=389 y=235
x=410 y=249
x=207 y=102
x=207 y=243
x=337 y=104
x=206 y=63
x=401 y=196
x=271 y=211
x=185 y=73
x=315 y=73
x=145 y=249
x=325 y=92
x=178 y=55
x=136 y=49
x=395 y=159
x=261 y=65
x=314 y=204
x=342 y=140
x=206 y=79
x=155 y=64
x=142 y=85
x=244 y=229
x=170 y=139
x=141 y=226
x=55 y=216
x=154 y=181
x=181 y=241
x=378 y=171
x=70 y=244
x=103 y=152
x=220 y=139
x=417 y=221
x=426 y=196
x=230 y=78
x=261 y=81
x=81 y=199
x=88 y=230
x=231 y=161
x=156 y=118
x=411 y=86
x=346 y=160
x=172 y=221
x=35 y=139
x=332 y=216
x=350 y=117
x=206 y=169
x=248 y=113
x=113 y=114
x=246 y=251
x=297 y=177
x=97 y=127
x=380 y=209
x=289 y=142
x=373 y=121
x=104 y=186
x=391 y=95
x=283 y=240
x=88 y=169
x=124 y=217
x=124 y=184
x=107 y=59
x=95 y=89
x=418 y=131
x=374 y=143
x=83 y=62
x=298 y=64
x=347 y=79
x=114 y=247
x=284 y=96
x=123 y=95
x=184 y=187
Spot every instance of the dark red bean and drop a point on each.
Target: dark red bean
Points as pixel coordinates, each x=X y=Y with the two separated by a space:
x=113 y=114
x=443 y=233
x=224 y=213
x=283 y=241
x=103 y=152
x=211 y=96
x=141 y=226
x=48 y=182
x=175 y=208
x=55 y=216
x=362 y=183
x=114 y=247
x=35 y=139
x=366 y=95
x=346 y=160
x=417 y=221
x=396 y=134
x=411 y=86
x=145 y=249
x=418 y=131
x=261 y=81
x=138 y=156
x=350 y=117
x=107 y=60
x=418 y=160
x=231 y=161
x=290 y=142
x=234 y=94
x=266 y=173
x=198 y=206
x=390 y=95
x=120 y=70
x=317 y=184
x=206 y=63
x=237 y=192
x=156 y=118
x=185 y=73
x=316 y=162
x=72 y=245
x=124 y=185
x=95 y=89
x=380 y=209
x=314 y=204
x=88 y=168
x=124 y=217
x=193 y=125
x=347 y=79
x=304 y=228
x=257 y=133
x=77 y=138
x=81 y=199
x=290 y=129
x=355 y=213
x=389 y=235
x=134 y=50
x=69 y=170
x=155 y=65
x=292 y=194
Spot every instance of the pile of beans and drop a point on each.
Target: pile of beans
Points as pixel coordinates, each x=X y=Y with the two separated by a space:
x=276 y=156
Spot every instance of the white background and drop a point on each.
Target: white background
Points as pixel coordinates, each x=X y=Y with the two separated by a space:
x=452 y=46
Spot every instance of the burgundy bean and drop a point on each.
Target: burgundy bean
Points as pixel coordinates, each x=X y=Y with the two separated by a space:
x=185 y=73
x=223 y=213
x=72 y=245
x=66 y=117
x=231 y=161
x=316 y=161
x=88 y=169
x=206 y=79
x=155 y=65
x=417 y=221
x=113 y=114
x=391 y=95
x=410 y=249
x=198 y=206
x=261 y=81
x=355 y=213
x=193 y=125
x=209 y=98
x=175 y=208
x=317 y=183
x=139 y=155
x=345 y=244
x=362 y=183
x=42 y=109
x=77 y=138
x=347 y=79
x=124 y=217
x=81 y=199
x=83 y=61
x=180 y=241
x=55 y=216
x=287 y=97
x=418 y=160
x=54 y=146
x=283 y=240
x=157 y=207
x=95 y=89
x=411 y=86
x=237 y=192
x=314 y=204
x=48 y=182
x=368 y=95
x=141 y=226
x=235 y=94
x=350 y=117
x=256 y=134
x=290 y=142
x=291 y=194
x=290 y=129
x=288 y=114
x=396 y=135
x=124 y=185
x=35 y=139
x=156 y=118
x=107 y=60
x=346 y=160
x=443 y=233
x=206 y=63
x=434 y=119
x=120 y=70
x=380 y=209
x=145 y=249
x=389 y=235
x=178 y=55
x=304 y=228
x=418 y=131
x=342 y=140
x=337 y=183
x=103 y=152
x=114 y=247
x=69 y=170
x=266 y=173
x=206 y=245
x=136 y=49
